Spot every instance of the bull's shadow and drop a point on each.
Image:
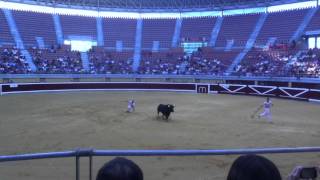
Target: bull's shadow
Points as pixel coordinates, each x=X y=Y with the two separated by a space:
x=162 y=118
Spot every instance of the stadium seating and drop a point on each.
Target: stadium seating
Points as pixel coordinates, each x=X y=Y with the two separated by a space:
x=157 y=30
x=281 y=26
x=315 y=22
x=12 y=62
x=306 y=65
x=5 y=35
x=32 y=25
x=58 y=60
x=110 y=62
x=116 y=29
x=237 y=28
x=201 y=33
x=263 y=63
x=165 y=62
x=78 y=26
x=119 y=42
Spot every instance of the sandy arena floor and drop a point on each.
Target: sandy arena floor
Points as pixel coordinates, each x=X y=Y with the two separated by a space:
x=64 y=121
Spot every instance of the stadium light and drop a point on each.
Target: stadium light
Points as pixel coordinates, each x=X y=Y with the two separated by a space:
x=244 y=11
x=79 y=11
x=293 y=6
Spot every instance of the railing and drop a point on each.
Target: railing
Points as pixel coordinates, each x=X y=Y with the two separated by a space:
x=192 y=152
x=157 y=76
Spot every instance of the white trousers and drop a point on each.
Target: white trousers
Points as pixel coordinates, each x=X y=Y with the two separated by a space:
x=130 y=108
x=266 y=113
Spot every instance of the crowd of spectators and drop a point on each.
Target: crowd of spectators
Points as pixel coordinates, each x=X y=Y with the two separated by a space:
x=263 y=63
x=57 y=60
x=198 y=64
x=245 y=167
x=162 y=63
x=181 y=64
x=13 y=62
x=108 y=63
x=280 y=63
x=307 y=64
x=61 y=60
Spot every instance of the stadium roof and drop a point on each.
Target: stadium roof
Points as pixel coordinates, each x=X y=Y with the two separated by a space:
x=175 y=5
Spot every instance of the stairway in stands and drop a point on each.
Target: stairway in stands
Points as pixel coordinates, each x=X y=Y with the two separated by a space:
x=100 y=38
x=137 y=46
x=58 y=29
x=176 y=35
x=85 y=61
x=215 y=31
x=304 y=24
x=183 y=67
x=17 y=38
x=249 y=43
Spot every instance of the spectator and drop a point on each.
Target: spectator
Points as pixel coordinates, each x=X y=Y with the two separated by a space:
x=13 y=62
x=261 y=63
x=253 y=167
x=120 y=169
x=296 y=173
x=61 y=61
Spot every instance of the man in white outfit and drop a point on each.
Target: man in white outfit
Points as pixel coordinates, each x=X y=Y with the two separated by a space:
x=131 y=105
x=267 y=110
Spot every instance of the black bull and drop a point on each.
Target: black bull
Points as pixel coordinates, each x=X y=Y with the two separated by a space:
x=165 y=109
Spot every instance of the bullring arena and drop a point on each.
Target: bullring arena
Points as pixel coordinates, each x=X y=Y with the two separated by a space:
x=58 y=121
x=70 y=72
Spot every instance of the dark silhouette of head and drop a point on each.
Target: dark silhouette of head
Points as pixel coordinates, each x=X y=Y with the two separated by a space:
x=120 y=169
x=268 y=99
x=171 y=107
x=253 y=167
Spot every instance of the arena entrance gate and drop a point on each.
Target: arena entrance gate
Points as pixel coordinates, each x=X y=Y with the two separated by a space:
x=203 y=88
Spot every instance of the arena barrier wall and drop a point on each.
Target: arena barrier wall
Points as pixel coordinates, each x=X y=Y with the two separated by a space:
x=296 y=93
x=273 y=91
x=92 y=152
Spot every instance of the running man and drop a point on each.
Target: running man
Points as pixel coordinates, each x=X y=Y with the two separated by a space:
x=131 y=105
x=267 y=110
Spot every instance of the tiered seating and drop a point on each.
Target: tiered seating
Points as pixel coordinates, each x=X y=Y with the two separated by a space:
x=264 y=63
x=160 y=30
x=165 y=62
x=207 y=61
x=197 y=29
x=237 y=28
x=57 y=60
x=307 y=64
x=199 y=65
x=226 y=57
x=315 y=22
x=107 y=62
x=275 y=62
x=32 y=25
x=12 y=62
x=119 y=29
x=281 y=25
x=5 y=35
x=78 y=25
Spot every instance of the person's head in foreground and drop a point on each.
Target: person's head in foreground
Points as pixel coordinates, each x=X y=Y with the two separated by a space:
x=253 y=167
x=120 y=169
